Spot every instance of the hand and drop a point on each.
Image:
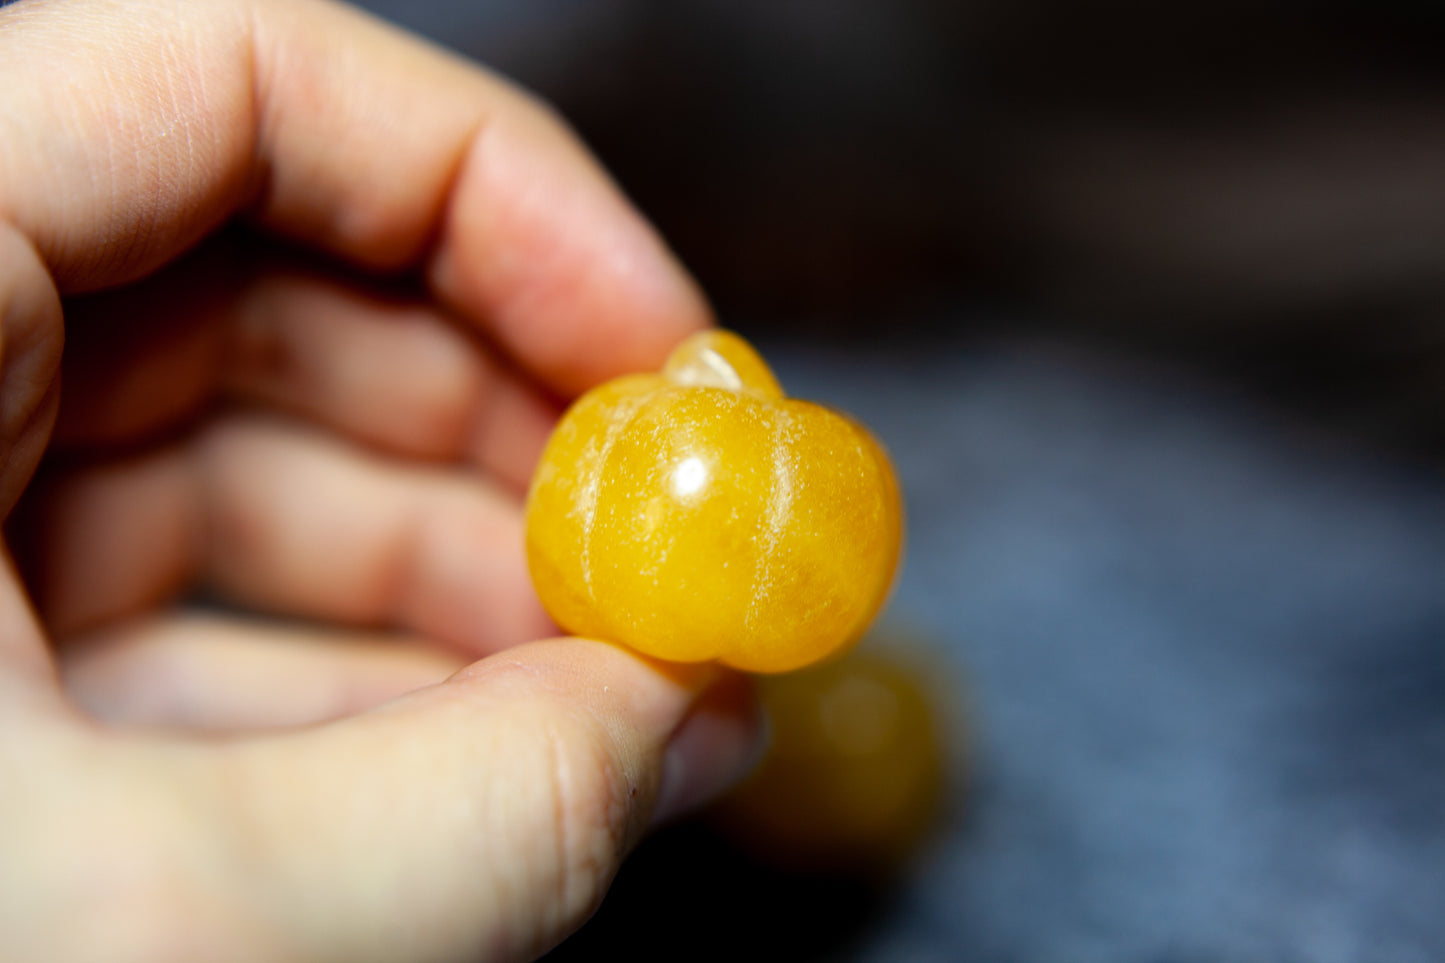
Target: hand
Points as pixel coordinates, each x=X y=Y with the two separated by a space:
x=247 y=422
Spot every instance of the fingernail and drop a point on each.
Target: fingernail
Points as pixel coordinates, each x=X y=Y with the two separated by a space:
x=721 y=741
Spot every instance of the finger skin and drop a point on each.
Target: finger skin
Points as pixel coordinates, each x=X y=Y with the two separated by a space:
x=31 y=338
x=286 y=519
x=342 y=133
x=28 y=684
x=30 y=345
x=496 y=808
x=387 y=370
x=206 y=672
x=480 y=819
x=301 y=524
x=106 y=541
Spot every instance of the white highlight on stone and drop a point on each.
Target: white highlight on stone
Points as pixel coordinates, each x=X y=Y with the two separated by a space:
x=779 y=515
x=627 y=409
x=710 y=369
x=689 y=477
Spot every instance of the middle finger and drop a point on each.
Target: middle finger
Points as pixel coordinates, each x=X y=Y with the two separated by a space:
x=287 y=519
x=391 y=372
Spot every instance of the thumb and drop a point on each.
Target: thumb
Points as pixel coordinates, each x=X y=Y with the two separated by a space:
x=485 y=817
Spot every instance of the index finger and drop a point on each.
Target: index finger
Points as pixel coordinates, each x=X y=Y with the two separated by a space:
x=132 y=129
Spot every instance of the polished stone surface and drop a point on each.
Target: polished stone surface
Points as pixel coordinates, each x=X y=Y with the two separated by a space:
x=698 y=514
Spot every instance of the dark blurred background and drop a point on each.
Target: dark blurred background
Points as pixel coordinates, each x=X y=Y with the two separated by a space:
x=1148 y=300
x=1255 y=183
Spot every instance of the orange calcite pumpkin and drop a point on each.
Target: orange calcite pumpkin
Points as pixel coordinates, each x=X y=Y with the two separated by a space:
x=699 y=514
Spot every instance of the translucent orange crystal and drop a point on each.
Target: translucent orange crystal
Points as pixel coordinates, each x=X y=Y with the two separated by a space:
x=699 y=514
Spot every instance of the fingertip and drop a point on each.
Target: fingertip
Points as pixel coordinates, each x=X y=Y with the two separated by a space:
x=686 y=731
x=719 y=742
x=622 y=690
x=544 y=248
